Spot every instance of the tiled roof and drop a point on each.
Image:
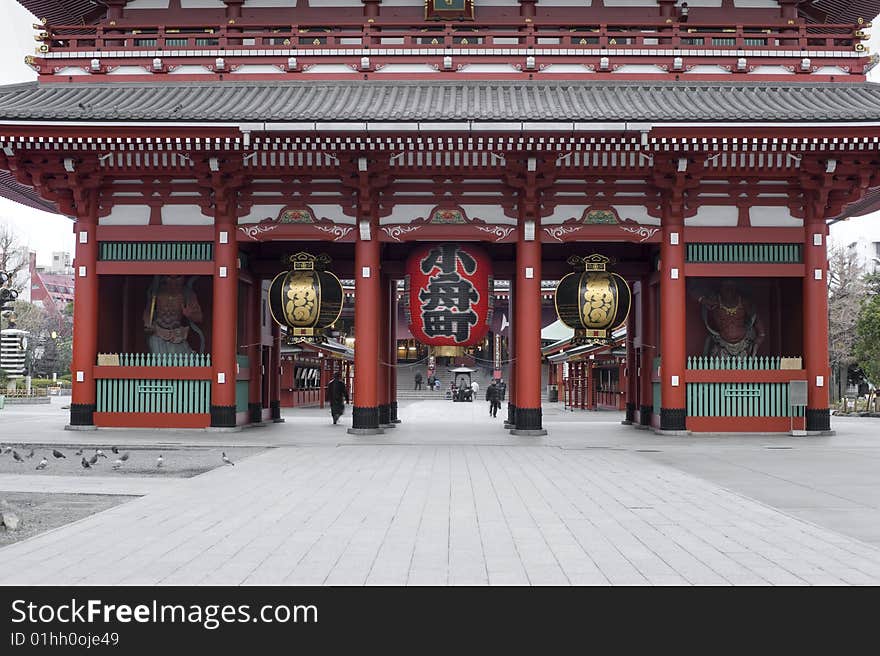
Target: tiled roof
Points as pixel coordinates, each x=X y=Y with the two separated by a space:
x=442 y=101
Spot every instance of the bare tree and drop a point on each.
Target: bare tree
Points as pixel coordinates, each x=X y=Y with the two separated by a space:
x=13 y=257
x=846 y=289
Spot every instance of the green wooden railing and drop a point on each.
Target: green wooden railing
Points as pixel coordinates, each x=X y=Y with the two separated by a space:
x=154 y=395
x=156 y=251
x=739 y=400
x=729 y=362
x=164 y=359
x=745 y=253
x=242 y=387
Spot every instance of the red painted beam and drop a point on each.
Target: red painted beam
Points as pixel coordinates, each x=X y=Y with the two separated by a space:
x=743 y=424
x=154 y=268
x=151 y=420
x=744 y=270
x=744 y=375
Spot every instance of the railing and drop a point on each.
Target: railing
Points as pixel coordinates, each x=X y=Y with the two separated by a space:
x=155 y=359
x=154 y=396
x=740 y=400
x=739 y=363
x=156 y=251
x=649 y=34
x=746 y=253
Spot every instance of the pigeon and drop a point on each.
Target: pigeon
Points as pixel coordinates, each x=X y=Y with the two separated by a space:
x=8 y=449
x=226 y=460
x=159 y=461
x=124 y=457
x=78 y=453
x=114 y=449
x=42 y=464
x=119 y=462
x=2 y=449
x=85 y=464
x=99 y=453
x=93 y=460
x=17 y=457
x=58 y=454
x=30 y=455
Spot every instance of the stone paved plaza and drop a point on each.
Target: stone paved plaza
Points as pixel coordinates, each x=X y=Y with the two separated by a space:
x=448 y=497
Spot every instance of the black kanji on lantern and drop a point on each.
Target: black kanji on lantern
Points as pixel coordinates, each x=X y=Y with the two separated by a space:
x=447 y=298
x=446 y=256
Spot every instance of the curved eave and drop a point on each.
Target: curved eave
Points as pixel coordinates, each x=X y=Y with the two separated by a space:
x=65 y=12
x=18 y=193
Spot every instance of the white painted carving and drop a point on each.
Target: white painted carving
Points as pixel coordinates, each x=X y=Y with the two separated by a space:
x=643 y=232
x=338 y=232
x=396 y=231
x=557 y=232
x=499 y=232
x=254 y=231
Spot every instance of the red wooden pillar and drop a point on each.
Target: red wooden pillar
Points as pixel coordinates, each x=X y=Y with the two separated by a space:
x=384 y=391
x=649 y=352
x=527 y=326
x=85 y=321
x=627 y=380
x=365 y=413
x=673 y=410
x=274 y=374
x=392 y=352
x=815 y=322
x=591 y=386
x=324 y=380
x=255 y=352
x=224 y=314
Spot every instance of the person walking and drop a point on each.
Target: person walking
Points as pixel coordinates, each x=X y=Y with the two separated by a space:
x=475 y=387
x=337 y=396
x=493 y=397
x=418 y=380
x=502 y=389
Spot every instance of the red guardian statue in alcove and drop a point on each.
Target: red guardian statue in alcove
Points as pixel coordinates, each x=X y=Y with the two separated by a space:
x=172 y=309
x=733 y=324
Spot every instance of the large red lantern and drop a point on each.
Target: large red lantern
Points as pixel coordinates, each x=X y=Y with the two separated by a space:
x=448 y=297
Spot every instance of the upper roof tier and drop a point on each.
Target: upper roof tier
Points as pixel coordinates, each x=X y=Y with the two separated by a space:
x=337 y=102
x=73 y=12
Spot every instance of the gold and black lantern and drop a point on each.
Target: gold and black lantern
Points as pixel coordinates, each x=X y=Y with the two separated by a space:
x=306 y=299
x=592 y=300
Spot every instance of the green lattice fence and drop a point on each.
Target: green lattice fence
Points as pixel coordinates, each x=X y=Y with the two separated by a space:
x=745 y=253
x=154 y=395
x=727 y=362
x=156 y=251
x=739 y=400
x=165 y=359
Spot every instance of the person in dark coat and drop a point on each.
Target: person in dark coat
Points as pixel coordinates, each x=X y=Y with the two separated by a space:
x=493 y=396
x=337 y=396
x=418 y=379
x=502 y=389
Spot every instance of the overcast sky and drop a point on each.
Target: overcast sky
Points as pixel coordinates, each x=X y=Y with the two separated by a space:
x=45 y=233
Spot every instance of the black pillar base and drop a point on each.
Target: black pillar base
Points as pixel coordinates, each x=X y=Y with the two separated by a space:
x=82 y=414
x=817 y=420
x=510 y=422
x=645 y=412
x=365 y=421
x=223 y=416
x=393 y=408
x=275 y=408
x=255 y=413
x=384 y=414
x=528 y=422
x=630 y=414
x=673 y=419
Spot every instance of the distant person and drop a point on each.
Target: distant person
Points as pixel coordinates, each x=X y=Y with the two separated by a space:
x=436 y=384
x=493 y=396
x=475 y=387
x=502 y=388
x=337 y=396
x=418 y=380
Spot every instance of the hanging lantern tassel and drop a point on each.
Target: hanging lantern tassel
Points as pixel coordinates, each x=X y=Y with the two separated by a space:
x=592 y=300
